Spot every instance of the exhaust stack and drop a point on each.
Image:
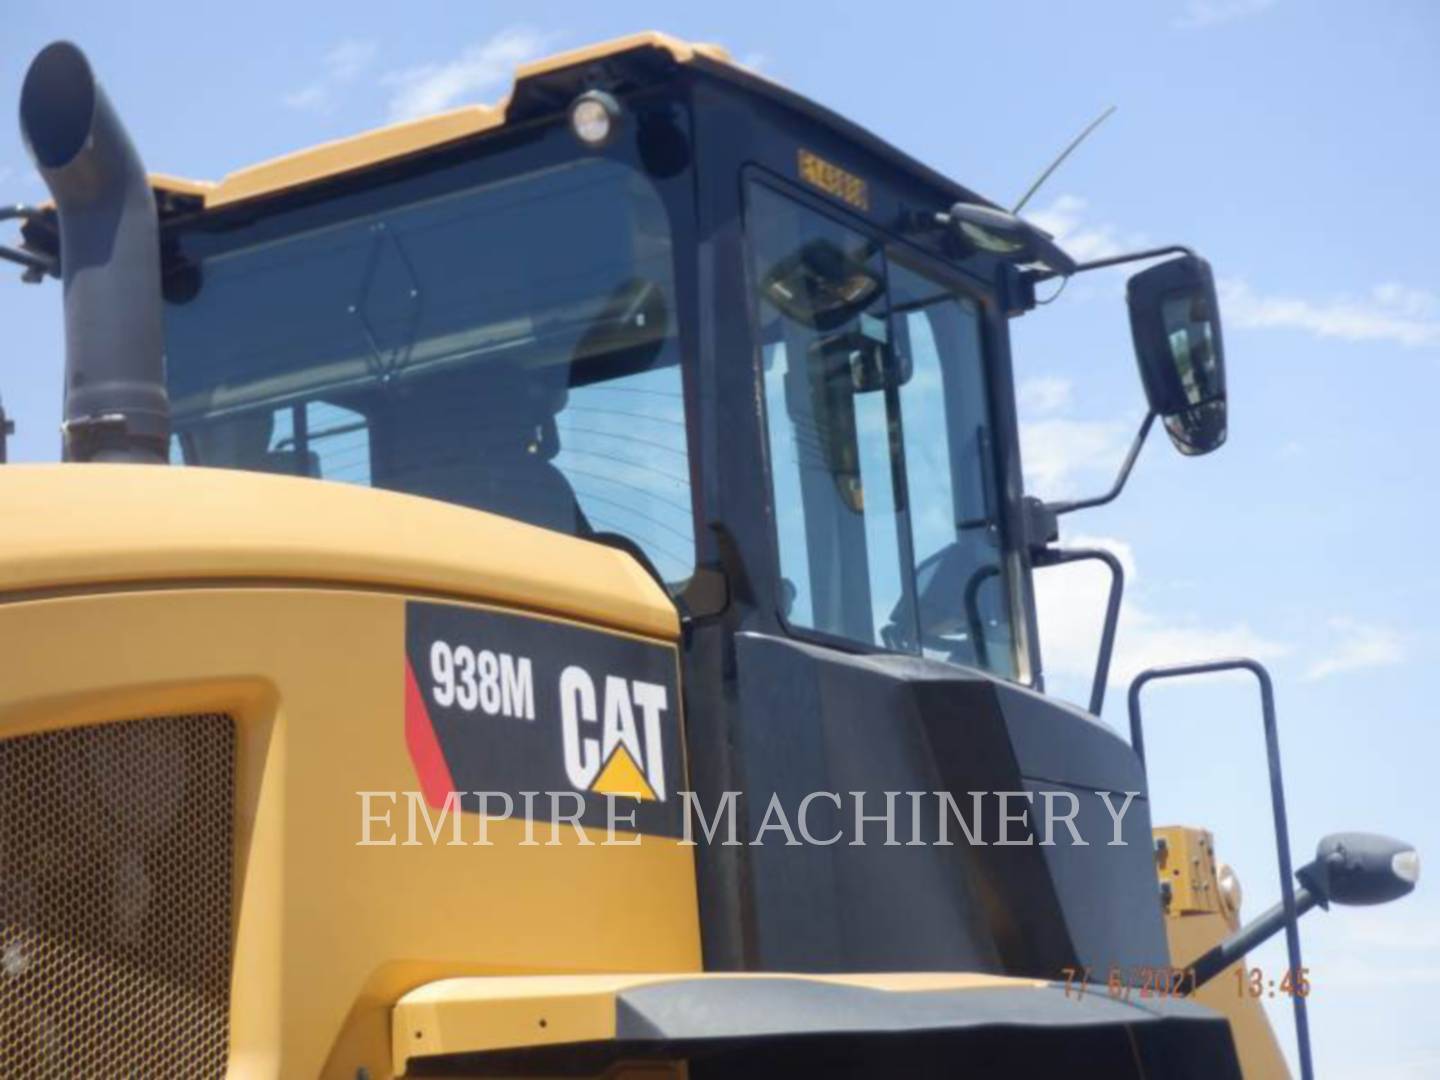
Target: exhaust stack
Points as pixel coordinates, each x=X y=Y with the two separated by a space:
x=116 y=408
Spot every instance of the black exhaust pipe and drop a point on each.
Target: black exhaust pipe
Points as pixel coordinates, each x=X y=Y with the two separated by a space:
x=116 y=408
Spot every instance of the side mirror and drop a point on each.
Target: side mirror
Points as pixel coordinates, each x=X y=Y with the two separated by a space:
x=1361 y=868
x=1349 y=868
x=1175 y=321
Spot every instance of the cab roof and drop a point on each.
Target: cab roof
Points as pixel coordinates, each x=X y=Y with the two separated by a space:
x=540 y=87
x=384 y=145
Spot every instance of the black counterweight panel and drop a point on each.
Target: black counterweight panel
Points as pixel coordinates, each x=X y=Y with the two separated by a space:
x=813 y=719
x=1108 y=891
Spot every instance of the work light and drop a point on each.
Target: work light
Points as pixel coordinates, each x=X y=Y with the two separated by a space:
x=595 y=118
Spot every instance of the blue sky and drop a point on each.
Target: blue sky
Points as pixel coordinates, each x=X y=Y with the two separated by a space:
x=1291 y=143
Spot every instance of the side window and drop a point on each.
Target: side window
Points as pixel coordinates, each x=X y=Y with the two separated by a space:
x=831 y=422
x=881 y=456
x=950 y=473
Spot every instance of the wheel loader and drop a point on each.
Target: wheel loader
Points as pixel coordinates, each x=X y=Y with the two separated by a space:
x=587 y=625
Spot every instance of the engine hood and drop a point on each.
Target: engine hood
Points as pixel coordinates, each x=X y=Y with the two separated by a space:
x=81 y=526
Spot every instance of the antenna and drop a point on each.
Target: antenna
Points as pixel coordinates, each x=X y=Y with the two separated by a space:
x=1063 y=155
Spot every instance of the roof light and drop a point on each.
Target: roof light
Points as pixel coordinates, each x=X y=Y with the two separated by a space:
x=595 y=118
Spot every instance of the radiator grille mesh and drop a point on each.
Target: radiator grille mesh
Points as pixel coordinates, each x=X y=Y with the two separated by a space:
x=115 y=895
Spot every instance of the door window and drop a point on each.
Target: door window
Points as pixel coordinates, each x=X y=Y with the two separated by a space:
x=881 y=456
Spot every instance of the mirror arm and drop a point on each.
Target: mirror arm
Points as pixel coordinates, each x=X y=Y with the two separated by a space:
x=1058 y=508
x=1247 y=939
x=37 y=264
x=1037 y=276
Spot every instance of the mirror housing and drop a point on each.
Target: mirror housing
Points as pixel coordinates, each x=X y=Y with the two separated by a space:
x=1361 y=869
x=1175 y=323
x=1006 y=236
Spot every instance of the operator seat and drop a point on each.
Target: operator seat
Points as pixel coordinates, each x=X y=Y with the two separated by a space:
x=484 y=437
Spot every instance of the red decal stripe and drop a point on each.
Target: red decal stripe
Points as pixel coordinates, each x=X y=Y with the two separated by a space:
x=436 y=783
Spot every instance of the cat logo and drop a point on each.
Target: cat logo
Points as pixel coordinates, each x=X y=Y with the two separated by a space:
x=602 y=741
x=496 y=701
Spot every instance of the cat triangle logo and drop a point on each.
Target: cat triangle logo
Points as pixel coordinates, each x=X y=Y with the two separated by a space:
x=621 y=776
x=611 y=737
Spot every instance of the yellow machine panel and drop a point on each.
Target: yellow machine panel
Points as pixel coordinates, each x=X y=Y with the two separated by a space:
x=1199 y=914
x=307 y=672
x=123 y=524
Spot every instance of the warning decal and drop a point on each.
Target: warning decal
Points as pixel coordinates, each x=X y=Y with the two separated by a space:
x=496 y=702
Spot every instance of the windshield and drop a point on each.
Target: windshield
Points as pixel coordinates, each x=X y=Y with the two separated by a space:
x=509 y=345
x=881 y=453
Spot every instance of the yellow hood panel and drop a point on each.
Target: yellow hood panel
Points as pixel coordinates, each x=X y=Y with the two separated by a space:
x=75 y=526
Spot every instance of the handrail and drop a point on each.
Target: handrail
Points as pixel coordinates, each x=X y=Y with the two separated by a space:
x=1277 y=804
x=1060 y=556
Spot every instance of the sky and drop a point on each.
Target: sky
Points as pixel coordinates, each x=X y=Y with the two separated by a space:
x=1293 y=144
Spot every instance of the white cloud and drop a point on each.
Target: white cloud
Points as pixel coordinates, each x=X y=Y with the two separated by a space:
x=430 y=88
x=314 y=97
x=755 y=61
x=1064 y=220
x=1357 y=646
x=341 y=66
x=1392 y=312
x=1199 y=14
x=1409 y=929
x=1146 y=639
x=350 y=58
x=1070 y=603
x=1058 y=453
x=1044 y=394
x=1403 y=300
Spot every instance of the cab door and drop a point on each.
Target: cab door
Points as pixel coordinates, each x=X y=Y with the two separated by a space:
x=883 y=473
